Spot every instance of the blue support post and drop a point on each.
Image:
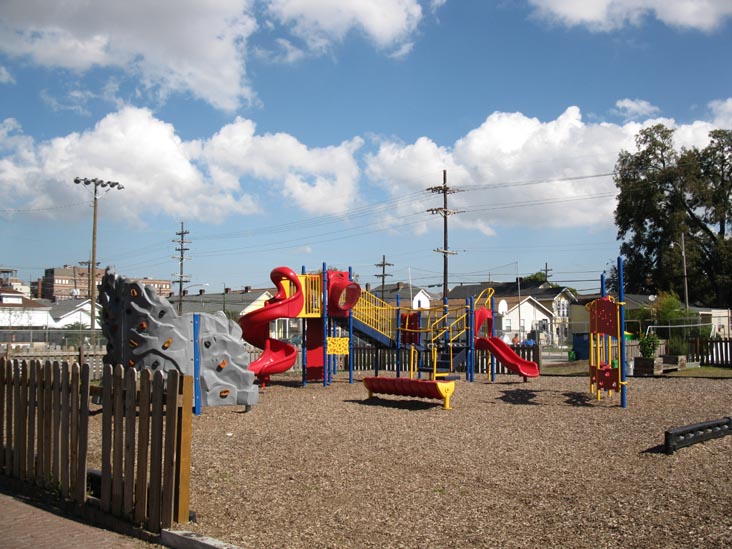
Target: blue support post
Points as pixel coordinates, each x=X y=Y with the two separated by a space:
x=196 y=365
x=326 y=381
x=493 y=334
x=621 y=299
x=470 y=359
x=304 y=344
x=350 y=334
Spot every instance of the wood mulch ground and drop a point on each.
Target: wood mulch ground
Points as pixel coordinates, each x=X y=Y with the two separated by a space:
x=513 y=464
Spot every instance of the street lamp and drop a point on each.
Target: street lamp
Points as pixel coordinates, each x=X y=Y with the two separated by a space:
x=93 y=267
x=686 y=284
x=182 y=293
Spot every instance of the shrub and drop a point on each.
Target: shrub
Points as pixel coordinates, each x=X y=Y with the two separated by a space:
x=648 y=345
x=676 y=346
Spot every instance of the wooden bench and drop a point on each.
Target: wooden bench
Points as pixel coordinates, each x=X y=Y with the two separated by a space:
x=420 y=388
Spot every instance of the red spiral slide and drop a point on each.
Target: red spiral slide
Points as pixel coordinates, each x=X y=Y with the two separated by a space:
x=277 y=356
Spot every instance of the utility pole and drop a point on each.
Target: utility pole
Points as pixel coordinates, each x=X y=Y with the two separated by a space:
x=547 y=270
x=383 y=274
x=181 y=249
x=445 y=213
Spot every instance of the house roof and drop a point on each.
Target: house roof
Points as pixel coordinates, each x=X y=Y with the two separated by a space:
x=402 y=289
x=64 y=308
x=504 y=290
x=210 y=303
x=24 y=303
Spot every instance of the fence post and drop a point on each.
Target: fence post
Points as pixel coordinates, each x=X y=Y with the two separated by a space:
x=183 y=451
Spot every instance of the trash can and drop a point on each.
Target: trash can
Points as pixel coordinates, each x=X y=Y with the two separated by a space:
x=570 y=356
x=581 y=346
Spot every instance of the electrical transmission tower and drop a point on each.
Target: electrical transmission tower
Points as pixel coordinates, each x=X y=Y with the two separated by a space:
x=383 y=274
x=181 y=249
x=445 y=213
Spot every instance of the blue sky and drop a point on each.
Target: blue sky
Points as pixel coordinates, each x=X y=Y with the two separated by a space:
x=297 y=132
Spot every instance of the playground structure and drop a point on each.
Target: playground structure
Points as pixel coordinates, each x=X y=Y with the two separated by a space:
x=143 y=330
x=317 y=299
x=334 y=311
x=607 y=342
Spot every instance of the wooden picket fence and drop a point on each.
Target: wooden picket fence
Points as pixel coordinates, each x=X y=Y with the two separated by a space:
x=146 y=437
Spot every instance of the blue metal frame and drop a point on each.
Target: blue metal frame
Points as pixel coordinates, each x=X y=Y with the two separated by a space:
x=196 y=365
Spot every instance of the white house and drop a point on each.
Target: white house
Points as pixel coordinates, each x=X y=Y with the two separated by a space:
x=409 y=296
x=523 y=317
x=17 y=311
x=72 y=311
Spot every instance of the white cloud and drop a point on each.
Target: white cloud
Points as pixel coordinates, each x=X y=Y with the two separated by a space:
x=232 y=173
x=518 y=170
x=320 y=23
x=607 y=15
x=129 y=146
x=5 y=76
x=722 y=111
x=172 y=45
x=633 y=109
x=317 y=180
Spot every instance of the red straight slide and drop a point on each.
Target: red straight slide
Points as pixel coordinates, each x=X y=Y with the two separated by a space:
x=505 y=355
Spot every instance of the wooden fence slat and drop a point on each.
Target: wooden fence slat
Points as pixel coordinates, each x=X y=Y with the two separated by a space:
x=74 y=427
x=23 y=422
x=56 y=444
x=142 y=446
x=130 y=414
x=156 y=453
x=183 y=451
x=9 y=418
x=17 y=415
x=65 y=434
x=4 y=384
x=171 y=435
x=107 y=412
x=30 y=454
x=82 y=444
x=118 y=440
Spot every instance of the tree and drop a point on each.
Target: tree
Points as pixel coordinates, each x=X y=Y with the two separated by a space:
x=664 y=193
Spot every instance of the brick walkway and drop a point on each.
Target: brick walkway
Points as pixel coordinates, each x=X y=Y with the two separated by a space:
x=25 y=526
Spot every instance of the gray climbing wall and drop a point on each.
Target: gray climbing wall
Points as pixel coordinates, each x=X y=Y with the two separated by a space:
x=143 y=330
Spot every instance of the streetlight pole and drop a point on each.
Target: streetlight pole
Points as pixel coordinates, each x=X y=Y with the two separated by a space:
x=93 y=267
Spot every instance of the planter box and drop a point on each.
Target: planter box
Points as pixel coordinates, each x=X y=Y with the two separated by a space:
x=647 y=366
x=673 y=362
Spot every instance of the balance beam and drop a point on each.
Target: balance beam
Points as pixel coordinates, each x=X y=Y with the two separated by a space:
x=421 y=388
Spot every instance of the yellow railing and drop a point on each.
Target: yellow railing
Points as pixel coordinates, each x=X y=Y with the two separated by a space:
x=376 y=314
x=312 y=289
x=485 y=298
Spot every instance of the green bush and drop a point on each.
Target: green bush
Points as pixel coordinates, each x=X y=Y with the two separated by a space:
x=676 y=346
x=648 y=345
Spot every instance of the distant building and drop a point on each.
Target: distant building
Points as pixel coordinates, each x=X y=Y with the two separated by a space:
x=72 y=282
x=409 y=296
x=9 y=279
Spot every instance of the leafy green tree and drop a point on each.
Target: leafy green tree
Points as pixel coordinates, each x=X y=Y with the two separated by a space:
x=664 y=193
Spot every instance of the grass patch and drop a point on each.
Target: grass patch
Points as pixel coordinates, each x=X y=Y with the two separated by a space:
x=704 y=371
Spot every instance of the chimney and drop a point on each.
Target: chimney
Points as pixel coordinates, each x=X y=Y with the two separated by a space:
x=368 y=286
x=201 y=291
x=400 y=285
x=247 y=289
x=185 y=292
x=227 y=290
